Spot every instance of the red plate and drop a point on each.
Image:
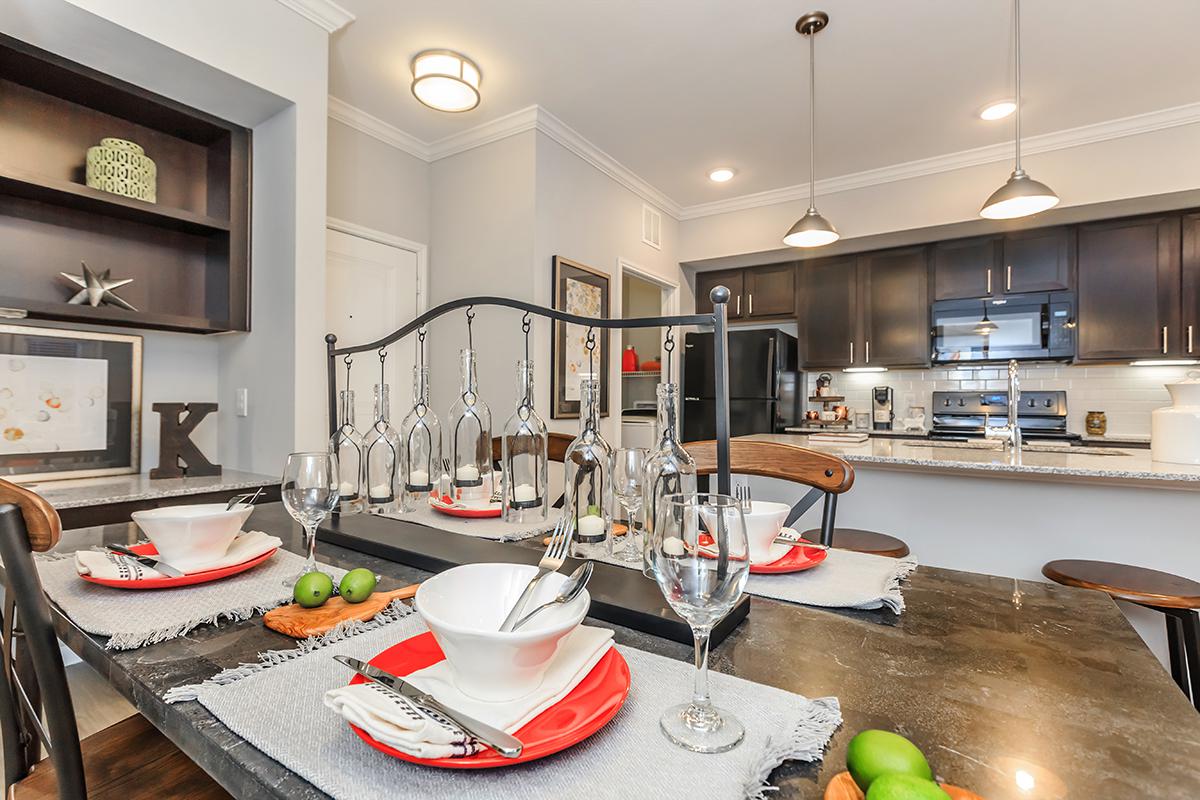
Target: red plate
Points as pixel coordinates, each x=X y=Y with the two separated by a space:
x=187 y=580
x=493 y=510
x=587 y=709
x=796 y=559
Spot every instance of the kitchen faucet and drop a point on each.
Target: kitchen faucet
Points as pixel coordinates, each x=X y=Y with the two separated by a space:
x=1011 y=432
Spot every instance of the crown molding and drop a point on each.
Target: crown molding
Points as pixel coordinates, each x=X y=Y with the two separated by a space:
x=990 y=154
x=519 y=121
x=325 y=13
x=376 y=128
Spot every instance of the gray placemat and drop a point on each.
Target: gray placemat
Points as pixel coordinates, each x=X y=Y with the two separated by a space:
x=279 y=710
x=493 y=528
x=132 y=618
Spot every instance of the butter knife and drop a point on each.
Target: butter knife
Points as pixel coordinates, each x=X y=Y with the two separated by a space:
x=146 y=561
x=503 y=743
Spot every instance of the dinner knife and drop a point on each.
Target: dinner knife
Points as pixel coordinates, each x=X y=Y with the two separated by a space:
x=146 y=561
x=503 y=743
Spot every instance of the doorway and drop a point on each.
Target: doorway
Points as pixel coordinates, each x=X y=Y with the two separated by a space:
x=641 y=359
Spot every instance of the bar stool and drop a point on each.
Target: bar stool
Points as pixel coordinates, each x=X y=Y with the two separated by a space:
x=862 y=541
x=1176 y=597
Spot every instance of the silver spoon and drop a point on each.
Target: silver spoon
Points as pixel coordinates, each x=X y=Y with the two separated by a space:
x=574 y=586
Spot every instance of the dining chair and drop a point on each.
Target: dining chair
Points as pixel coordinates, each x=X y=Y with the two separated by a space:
x=556 y=450
x=129 y=760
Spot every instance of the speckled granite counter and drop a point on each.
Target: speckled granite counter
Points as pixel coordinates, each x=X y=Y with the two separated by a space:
x=129 y=488
x=1040 y=462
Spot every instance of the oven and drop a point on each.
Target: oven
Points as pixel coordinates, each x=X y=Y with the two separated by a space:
x=1027 y=327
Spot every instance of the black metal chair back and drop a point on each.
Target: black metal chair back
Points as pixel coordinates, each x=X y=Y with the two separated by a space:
x=35 y=700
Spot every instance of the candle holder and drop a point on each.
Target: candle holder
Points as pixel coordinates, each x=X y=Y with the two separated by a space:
x=523 y=448
x=422 y=436
x=587 y=488
x=382 y=453
x=470 y=434
x=347 y=445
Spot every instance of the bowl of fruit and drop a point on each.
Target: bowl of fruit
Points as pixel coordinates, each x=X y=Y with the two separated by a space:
x=881 y=765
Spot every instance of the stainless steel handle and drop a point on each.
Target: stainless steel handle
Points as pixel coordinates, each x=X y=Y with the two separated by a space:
x=1008 y=278
x=989 y=280
x=739 y=305
x=851 y=351
x=867 y=360
x=1164 y=340
x=1189 y=339
x=751 y=309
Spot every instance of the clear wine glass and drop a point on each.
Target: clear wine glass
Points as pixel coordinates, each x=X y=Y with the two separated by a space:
x=309 y=492
x=701 y=560
x=628 y=474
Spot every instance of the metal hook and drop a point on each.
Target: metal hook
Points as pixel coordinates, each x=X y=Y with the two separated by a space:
x=470 y=332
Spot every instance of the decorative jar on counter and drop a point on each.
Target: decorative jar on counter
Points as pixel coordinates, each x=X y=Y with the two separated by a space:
x=1175 y=430
x=1096 y=423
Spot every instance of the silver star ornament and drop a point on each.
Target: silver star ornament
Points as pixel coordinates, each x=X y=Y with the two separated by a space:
x=96 y=289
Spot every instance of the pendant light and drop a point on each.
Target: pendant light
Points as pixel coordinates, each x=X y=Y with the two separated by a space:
x=811 y=230
x=1021 y=195
x=986 y=327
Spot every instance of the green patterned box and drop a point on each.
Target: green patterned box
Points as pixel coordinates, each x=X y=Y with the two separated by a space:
x=121 y=167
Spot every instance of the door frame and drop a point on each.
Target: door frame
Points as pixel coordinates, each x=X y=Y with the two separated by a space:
x=670 y=306
x=391 y=240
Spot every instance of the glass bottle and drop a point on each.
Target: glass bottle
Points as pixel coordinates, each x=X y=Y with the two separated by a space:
x=669 y=470
x=523 y=449
x=470 y=438
x=421 y=434
x=587 y=488
x=382 y=457
x=347 y=444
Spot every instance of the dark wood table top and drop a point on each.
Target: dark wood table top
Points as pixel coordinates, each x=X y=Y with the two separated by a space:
x=1049 y=682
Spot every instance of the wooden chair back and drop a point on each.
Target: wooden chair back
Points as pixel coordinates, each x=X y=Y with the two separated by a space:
x=556 y=447
x=34 y=679
x=826 y=475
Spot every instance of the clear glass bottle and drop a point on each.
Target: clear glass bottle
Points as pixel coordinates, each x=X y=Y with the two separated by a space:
x=347 y=444
x=523 y=449
x=421 y=434
x=382 y=455
x=470 y=438
x=669 y=470
x=587 y=488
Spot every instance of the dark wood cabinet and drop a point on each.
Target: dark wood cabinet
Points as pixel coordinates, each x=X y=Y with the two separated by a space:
x=828 y=313
x=731 y=279
x=894 y=307
x=965 y=268
x=770 y=291
x=1129 y=289
x=1191 y=284
x=1038 y=260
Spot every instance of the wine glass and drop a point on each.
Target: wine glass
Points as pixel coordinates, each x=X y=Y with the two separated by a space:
x=701 y=560
x=628 y=468
x=309 y=492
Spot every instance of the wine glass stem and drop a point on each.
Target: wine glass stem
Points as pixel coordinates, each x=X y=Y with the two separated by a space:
x=700 y=693
x=310 y=541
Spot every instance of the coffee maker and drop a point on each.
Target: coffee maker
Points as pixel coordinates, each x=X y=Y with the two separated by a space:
x=881 y=408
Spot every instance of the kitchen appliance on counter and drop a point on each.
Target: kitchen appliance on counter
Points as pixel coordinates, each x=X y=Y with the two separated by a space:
x=765 y=386
x=1175 y=429
x=1028 y=327
x=882 y=413
x=965 y=415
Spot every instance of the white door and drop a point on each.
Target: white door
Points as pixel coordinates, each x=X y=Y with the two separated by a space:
x=371 y=290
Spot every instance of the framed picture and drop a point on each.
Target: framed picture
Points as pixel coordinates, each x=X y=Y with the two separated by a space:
x=583 y=291
x=70 y=403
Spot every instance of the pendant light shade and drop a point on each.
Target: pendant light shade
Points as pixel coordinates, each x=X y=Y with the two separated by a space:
x=986 y=327
x=1021 y=195
x=811 y=230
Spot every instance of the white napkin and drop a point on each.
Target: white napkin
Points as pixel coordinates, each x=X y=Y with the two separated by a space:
x=394 y=721
x=111 y=566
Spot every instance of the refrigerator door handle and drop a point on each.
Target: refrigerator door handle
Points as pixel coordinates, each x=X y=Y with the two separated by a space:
x=772 y=372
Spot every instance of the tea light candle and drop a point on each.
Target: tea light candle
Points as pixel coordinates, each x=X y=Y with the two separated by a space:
x=590 y=525
x=381 y=491
x=523 y=493
x=467 y=472
x=347 y=489
x=418 y=477
x=673 y=546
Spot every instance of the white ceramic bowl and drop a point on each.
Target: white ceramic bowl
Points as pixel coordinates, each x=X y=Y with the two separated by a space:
x=189 y=537
x=764 y=521
x=464 y=608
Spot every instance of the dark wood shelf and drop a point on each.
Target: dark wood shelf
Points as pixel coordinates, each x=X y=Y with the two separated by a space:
x=829 y=398
x=109 y=315
x=84 y=198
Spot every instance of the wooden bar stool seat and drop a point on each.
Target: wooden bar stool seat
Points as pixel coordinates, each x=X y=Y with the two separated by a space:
x=862 y=541
x=1175 y=597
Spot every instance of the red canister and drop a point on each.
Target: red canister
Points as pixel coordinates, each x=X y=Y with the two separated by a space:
x=629 y=360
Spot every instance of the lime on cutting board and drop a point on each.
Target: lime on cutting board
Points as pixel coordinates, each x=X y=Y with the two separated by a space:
x=898 y=786
x=872 y=753
x=357 y=585
x=312 y=589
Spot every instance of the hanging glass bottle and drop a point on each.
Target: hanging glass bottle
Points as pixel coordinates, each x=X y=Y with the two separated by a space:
x=524 y=455
x=587 y=488
x=347 y=445
x=382 y=454
x=422 y=437
x=470 y=433
x=669 y=469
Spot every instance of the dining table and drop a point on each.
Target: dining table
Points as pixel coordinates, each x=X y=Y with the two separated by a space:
x=1013 y=689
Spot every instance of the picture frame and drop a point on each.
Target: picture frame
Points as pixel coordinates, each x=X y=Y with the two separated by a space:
x=577 y=289
x=70 y=403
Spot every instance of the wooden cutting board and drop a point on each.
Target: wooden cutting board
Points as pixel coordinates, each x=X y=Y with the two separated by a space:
x=843 y=787
x=300 y=623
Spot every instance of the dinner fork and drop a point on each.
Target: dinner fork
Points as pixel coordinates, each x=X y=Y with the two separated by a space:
x=552 y=561
x=741 y=493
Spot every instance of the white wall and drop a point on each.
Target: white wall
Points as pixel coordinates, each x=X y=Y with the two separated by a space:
x=376 y=185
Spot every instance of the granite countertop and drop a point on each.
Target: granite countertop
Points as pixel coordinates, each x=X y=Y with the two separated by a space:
x=989 y=677
x=83 y=492
x=1039 y=461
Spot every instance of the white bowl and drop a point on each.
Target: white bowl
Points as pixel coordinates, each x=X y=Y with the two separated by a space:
x=189 y=537
x=764 y=521
x=465 y=606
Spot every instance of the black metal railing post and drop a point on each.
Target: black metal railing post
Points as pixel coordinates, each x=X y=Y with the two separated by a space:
x=720 y=299
x=331 y=380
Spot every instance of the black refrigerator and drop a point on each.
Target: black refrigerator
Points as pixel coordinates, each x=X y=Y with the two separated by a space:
x=765 y=386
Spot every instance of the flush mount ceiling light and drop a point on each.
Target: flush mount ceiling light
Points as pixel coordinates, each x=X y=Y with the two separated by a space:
x=721 y=174
x=445 y=80
x=811 y=230
x=1021 y=195
x=997 y=110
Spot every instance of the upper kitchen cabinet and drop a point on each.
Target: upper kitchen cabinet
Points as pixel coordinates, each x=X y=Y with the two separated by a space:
x=1129 y=288
x=1191 y=284
x=731 y=279
x=966 y=268
x=770 y=291
x=828 y=318
x=1038 y=260
x=894 y=307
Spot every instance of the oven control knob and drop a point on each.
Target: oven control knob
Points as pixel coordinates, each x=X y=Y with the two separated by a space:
x=1031 y=403
x=946 y=402
x=1048 y=403
x=961 y=402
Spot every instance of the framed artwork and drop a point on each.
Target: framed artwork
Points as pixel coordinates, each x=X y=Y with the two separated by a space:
x=583 y=291
x=70 y=403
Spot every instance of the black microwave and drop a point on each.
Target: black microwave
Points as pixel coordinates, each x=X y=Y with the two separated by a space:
x=1031 y=327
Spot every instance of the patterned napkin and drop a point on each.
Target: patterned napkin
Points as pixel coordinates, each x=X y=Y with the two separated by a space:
x=115 y=567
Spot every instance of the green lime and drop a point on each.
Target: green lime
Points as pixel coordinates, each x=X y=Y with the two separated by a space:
x=313 y=589
x=357 y=585
x=874 y=753
x=898 y=786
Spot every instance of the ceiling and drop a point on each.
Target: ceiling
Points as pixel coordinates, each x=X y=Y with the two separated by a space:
x=673 y=88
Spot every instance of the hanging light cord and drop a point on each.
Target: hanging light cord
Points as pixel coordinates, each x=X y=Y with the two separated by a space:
x=812 y=121
x=1017 y=71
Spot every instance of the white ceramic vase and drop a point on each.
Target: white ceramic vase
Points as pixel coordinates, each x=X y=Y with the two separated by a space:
x=1175 y=429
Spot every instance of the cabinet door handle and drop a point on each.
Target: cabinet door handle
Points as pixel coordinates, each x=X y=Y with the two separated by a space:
x=867 y=359
x=739 y=306
x=751 y=304
x=1164 y=340
x=1189 y=339
x=1008 y=278
x=851 y=351
x=989 y=280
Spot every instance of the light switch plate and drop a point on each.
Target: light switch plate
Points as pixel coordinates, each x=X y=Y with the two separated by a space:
x=242 y=402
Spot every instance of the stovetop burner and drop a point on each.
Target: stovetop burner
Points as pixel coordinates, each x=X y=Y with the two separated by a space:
x=966 y=415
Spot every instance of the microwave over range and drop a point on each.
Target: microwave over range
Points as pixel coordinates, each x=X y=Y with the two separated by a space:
x=1028 y=327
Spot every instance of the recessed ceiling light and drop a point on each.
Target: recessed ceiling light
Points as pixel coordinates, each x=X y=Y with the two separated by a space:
x=445 y=80
x=997 y=110
x=721 y=174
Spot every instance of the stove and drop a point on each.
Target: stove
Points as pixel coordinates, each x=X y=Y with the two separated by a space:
x=965 y=415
